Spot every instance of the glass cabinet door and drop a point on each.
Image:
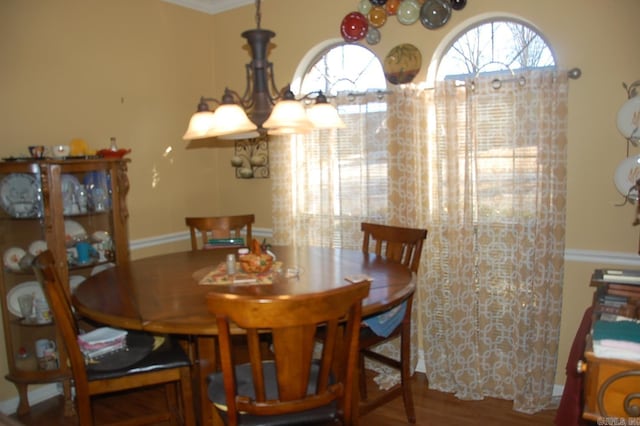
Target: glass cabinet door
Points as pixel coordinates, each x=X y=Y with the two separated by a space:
x=31 y=343
x=76 y=209
x=86 y=205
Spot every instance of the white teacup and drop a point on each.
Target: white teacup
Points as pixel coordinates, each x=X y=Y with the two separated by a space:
x=60 y=151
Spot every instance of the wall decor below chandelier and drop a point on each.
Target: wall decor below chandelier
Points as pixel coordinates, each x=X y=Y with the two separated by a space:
x=251 y=158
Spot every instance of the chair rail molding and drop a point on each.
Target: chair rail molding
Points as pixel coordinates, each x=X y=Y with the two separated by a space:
x=570 y=255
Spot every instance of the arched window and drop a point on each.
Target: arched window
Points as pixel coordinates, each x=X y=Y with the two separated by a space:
x=495 y=46
x=502 y=51
x=346 y=169
x=344 y=68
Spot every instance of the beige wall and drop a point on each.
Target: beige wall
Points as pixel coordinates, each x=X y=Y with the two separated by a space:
x=135 y=70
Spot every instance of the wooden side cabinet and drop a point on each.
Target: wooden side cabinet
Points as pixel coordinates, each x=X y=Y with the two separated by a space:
x=612 y=386
x=77 y=209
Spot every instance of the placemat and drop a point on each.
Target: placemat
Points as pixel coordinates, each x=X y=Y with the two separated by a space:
x=218 y=275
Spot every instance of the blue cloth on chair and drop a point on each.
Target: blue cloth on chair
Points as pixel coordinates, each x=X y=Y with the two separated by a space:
x=383 y=324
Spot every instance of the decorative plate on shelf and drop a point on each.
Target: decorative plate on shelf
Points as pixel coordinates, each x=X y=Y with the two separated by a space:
x=37 y=247
x=19 y=195
x=626 y=175
x=28 y=287
x=628 y=120
x=74 y=232
x=12 y=258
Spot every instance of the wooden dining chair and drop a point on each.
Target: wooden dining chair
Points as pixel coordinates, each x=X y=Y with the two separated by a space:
x=137 y=367
x=291 y=386
x=401 y=245
x=219 y=227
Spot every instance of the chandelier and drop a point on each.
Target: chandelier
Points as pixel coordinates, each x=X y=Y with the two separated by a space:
x=262 y=109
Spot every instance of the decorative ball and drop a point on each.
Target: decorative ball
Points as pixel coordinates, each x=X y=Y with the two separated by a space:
x=245 y=172
x=236 y=161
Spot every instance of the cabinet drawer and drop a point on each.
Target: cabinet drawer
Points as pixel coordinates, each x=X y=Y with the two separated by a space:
x=607 y=385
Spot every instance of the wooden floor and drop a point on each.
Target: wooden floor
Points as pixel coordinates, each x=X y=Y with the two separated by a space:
x=432 y=408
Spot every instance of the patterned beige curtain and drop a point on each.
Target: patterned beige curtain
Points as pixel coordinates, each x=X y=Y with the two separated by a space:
x=325 y=183
x=483 y=167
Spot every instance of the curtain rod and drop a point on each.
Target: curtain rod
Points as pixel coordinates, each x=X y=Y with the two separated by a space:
x=573 y=74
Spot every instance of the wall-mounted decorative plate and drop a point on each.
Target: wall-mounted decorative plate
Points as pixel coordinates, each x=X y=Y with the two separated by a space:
x=435 y=13
x=354 y=26
x=629 y=119
x=408 y=12
x=373 y=36
x=402 y=63
x=626 y=175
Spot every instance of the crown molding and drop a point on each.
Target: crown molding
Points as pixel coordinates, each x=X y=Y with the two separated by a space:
x=210 y=6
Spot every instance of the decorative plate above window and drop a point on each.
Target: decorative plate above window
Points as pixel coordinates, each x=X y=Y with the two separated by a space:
x=433 y=14
x=402 y=64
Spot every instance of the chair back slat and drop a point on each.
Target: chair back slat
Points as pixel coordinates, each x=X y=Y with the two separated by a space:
x=397 y=244
x=60 y=305
x=219 y=227
x=293 y=322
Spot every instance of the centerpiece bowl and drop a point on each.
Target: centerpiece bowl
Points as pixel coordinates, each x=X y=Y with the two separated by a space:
x=255 y=263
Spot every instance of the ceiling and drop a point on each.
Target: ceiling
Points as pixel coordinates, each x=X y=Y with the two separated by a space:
x=210 y=6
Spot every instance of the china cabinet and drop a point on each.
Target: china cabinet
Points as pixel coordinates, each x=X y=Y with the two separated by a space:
x=612 y=384
x=77 y=209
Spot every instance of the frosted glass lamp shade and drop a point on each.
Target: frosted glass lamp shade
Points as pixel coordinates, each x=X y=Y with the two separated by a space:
x=289 y=131
x=240 y=136
x=325 y=116
x=228 y=119
x=198 y=125
x=290 y=115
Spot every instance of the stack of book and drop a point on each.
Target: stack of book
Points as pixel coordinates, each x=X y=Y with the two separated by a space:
x=617 y=339
x=102 y=341
x=224 y=243
x=611 y=305
x=622 y=276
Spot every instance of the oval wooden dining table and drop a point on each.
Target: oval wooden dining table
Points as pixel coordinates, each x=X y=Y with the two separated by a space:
x=162 y=294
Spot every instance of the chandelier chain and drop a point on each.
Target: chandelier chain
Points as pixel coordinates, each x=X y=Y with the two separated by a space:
x=258 y=14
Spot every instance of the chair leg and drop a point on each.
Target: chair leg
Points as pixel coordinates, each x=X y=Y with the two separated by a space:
x=171 y=399
x=188 y=416
x=85 y=413
x=405 y=373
